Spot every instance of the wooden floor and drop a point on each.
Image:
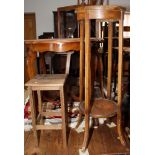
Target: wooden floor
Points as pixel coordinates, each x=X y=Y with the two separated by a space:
x=104 y=141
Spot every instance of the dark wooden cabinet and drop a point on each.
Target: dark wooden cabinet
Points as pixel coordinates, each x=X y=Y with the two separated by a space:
x=68 y=24
x=65 y=22
x=55 y=21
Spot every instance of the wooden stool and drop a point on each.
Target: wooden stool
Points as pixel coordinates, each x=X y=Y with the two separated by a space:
x=44 y=82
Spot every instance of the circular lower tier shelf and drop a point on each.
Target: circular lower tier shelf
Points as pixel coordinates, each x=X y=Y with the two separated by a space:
x=101 y=108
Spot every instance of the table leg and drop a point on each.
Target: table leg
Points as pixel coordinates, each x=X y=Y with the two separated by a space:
x=64 y=117
x=120 y=61
x=82 y=54
x=110 y=32
x=100 y=64
x=87 y=82
x=81 y=69
x=31 y=63
x=42 y=64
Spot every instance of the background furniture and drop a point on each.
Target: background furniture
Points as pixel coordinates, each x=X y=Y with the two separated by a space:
x=52 y=62
x=65 y=18
x=126 y=59
x=51 y=45
x=66 y=22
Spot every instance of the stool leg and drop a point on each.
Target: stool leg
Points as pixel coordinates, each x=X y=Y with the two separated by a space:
x=39 y=100
x=64 y=117
x=33 y=115
x=120 y=61
x=40 y=104
x=88 y=83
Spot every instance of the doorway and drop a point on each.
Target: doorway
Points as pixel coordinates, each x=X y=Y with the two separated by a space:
x=29 y=26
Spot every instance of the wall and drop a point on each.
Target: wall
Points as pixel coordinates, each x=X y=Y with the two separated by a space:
x=43 y=10
x=125 y=3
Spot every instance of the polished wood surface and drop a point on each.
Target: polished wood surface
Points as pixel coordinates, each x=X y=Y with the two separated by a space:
x=54 y=45
x=105 y=13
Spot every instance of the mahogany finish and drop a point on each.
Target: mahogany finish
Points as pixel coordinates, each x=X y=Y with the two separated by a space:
x=105 y=13
x=55 y=45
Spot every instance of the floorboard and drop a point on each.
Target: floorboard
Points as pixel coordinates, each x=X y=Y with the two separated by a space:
x=103 y=141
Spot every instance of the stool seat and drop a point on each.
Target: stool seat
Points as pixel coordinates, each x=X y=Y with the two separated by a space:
x=47 y=80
